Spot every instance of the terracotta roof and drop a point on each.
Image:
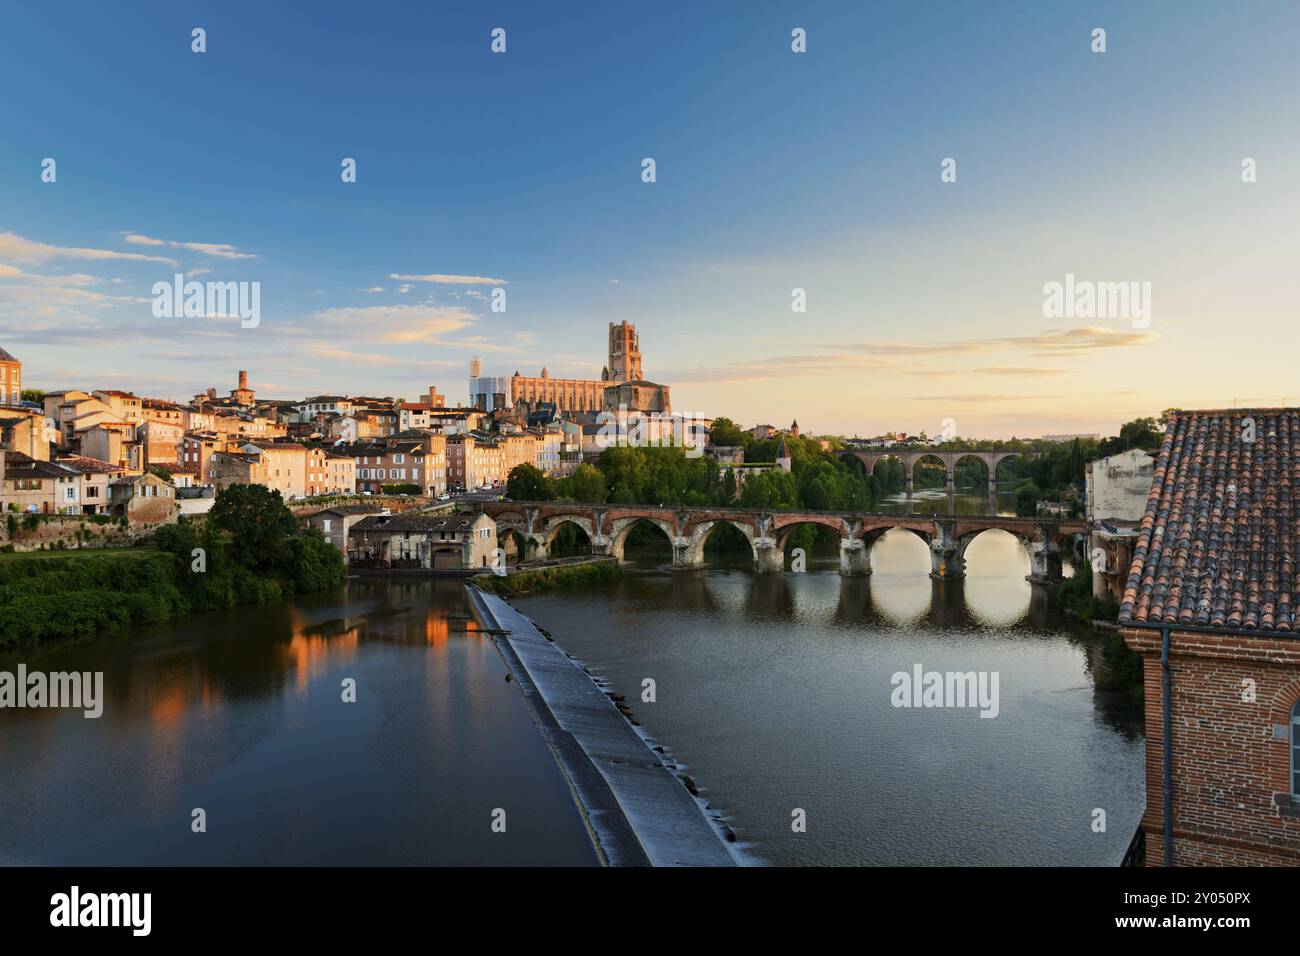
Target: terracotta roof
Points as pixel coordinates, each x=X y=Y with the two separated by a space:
x=37 y=469
x=277 y=445
x=1217 y=545
x=89 y=466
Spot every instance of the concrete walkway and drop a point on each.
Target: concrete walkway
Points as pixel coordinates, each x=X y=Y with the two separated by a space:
x=638 y=810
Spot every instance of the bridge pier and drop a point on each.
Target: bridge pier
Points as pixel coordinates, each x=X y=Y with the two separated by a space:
x=946 y=564
x=946 y=560
x=686 y=558
x=1044 y=565
x=1045 y=556
x=769 y=559
x=854 y=562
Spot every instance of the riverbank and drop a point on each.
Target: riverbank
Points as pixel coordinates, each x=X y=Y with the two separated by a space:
x=638 y=811
x=55 y=595
x=240 y=712
x=538 y=580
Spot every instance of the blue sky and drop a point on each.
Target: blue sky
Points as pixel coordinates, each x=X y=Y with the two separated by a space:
x=775 y=170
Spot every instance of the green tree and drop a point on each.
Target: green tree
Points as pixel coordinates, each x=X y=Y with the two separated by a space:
x=1027 y=496
x=527 y=483
x=1145 y=433
x=258 y=522
x=314 y=563
x=726 y=433
x=585 y=484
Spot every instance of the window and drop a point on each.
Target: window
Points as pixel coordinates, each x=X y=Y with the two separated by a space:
x=1295 y=750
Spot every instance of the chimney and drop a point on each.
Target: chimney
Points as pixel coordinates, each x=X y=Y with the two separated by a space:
x=243 y=379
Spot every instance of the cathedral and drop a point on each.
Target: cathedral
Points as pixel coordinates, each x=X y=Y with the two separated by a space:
x=620 y=384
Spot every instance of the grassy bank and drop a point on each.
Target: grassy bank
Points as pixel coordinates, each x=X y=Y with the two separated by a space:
x=549 y=579
x=53 y=595
x=46 y=596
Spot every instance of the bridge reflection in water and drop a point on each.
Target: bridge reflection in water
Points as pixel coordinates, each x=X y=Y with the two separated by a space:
x=775 y=691
x=993 y=596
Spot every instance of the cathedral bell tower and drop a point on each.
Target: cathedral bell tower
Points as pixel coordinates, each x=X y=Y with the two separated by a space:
x=624 y=353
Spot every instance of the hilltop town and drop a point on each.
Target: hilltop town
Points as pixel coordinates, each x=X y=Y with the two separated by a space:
x=104 y=451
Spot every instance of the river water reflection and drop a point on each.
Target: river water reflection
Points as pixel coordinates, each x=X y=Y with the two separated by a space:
x=241 y=714
x=775 y=692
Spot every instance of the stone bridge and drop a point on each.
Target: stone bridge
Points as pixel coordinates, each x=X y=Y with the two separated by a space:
x=911 y=456
x=688 y=528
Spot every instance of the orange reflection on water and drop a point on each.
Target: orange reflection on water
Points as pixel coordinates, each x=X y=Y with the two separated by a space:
x=311 y=654
x=167 y=705
x=437 y=629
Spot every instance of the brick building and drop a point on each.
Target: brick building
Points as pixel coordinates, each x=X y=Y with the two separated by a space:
x=1210 y=603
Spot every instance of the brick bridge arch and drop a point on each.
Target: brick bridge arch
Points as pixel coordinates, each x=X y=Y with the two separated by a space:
x=949 y=459
x=688 y=530
x=621 y=526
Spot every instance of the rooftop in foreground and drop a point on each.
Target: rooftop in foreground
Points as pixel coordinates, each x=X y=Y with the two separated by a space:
x=1217 y=545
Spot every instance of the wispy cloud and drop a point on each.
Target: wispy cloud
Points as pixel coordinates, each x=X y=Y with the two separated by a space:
x=399 y=324
x=17 y=248
x=446 y=279
x=787 y=366
x=72 y=279
x=1078 y=341
x=221 y=250
x=975 y=397
x=1014 y=371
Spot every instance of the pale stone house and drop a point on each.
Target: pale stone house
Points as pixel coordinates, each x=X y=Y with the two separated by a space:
x=425 y=541
x=143 y=499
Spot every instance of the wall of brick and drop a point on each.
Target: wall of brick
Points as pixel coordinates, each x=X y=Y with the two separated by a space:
x=1231 y=803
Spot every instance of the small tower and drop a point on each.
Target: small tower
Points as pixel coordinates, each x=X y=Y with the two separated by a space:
x=242 y=395
x=783 y=456
x=794 y=428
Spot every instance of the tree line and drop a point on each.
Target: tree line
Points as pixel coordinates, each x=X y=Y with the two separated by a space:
x=821 y=476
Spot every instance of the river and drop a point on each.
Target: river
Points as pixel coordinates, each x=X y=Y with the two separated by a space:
x=774 y=691
x=241 y=715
